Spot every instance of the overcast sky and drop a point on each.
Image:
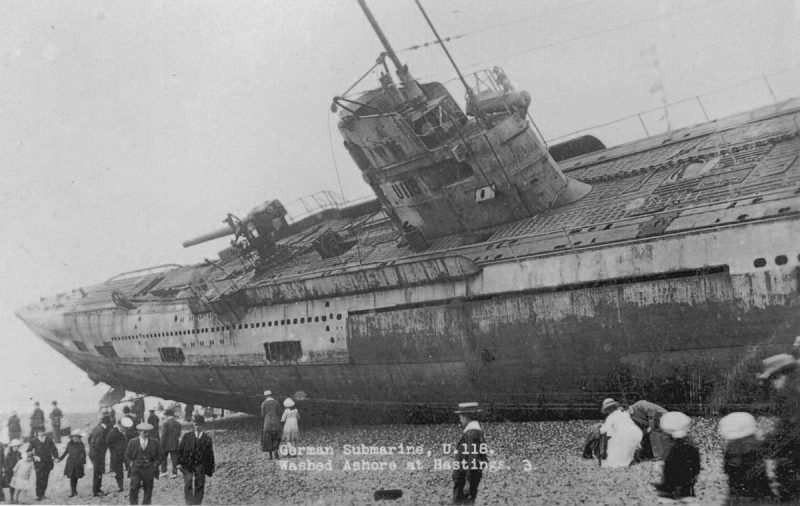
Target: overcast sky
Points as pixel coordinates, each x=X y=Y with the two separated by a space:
x=129 y=127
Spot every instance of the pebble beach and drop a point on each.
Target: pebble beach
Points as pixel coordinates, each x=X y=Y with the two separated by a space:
x=532 y=463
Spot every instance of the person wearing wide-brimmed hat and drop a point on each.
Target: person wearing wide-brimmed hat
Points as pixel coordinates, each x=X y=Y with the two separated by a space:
x=75 y=453
x=143 y=454
x=291 y=428
x=9 y=462
x=117 y=443
x=682 y=462
x=624 y=436
x=743 y=459
x=97 y=454
x=24 y=479
x=271 y=429
x=196 y=460
x=783 y=443
x=471 y=454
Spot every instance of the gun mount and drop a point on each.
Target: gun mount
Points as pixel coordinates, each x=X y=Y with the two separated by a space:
x=258 y=231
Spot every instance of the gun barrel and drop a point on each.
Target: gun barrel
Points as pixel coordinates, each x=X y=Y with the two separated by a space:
x=222 y=232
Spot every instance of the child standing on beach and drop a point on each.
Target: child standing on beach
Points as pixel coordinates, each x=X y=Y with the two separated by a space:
x=682 y=462
x=743 y=459
x=75 y=452
x=24 y=479
x=291 y=429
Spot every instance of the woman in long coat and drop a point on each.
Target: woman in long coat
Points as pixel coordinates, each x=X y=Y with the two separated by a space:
x=624 y=436
x=75 y=452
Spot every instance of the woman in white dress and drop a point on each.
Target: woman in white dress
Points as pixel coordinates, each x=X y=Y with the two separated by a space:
x=624 y=435
x=290 y=427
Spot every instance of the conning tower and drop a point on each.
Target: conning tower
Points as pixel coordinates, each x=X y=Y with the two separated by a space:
x=439 y=170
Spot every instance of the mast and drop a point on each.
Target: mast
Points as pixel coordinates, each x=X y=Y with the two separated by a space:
x=470 y=93
x=413 y=90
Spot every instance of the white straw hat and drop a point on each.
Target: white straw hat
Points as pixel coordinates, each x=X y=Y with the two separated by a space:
x=676 y=424
x=737 y=425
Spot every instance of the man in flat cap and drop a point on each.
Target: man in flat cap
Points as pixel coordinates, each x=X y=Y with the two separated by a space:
x=196 y=461
x=271 y=430
x=471 y=455
x=783 y=443
x=143 y=455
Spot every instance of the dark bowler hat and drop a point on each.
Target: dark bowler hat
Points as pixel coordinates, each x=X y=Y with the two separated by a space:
x=467 y=407
x=199 y=419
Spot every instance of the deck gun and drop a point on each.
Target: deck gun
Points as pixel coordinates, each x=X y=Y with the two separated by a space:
x=258 y=231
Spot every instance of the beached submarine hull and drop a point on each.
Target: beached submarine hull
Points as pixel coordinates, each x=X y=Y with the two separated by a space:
x=670 y=281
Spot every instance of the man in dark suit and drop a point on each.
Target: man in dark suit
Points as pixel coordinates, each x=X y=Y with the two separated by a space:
x=271 y=429
x=154 y=421
x=143 y=454
x=170 y=438
x=97 y=454
x=37 y=419
x=117 y=443
x=196 y=461
x=44 y=451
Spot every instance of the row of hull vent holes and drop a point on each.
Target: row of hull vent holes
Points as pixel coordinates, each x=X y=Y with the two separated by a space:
x=240 y=326
x=779 y=260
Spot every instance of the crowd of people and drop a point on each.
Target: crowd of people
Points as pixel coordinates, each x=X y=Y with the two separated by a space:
x=25 y=467
x=137 y=447
x=758 y=468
